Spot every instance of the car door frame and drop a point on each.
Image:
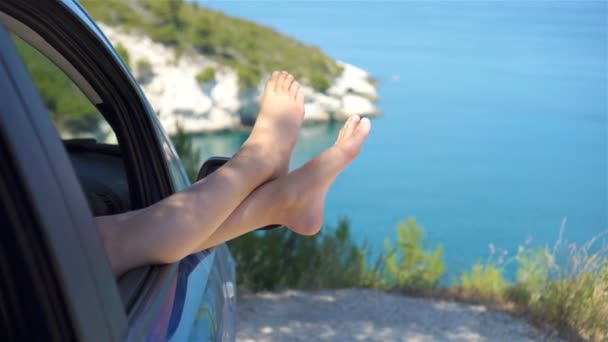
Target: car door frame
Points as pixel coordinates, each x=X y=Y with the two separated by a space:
x=167 y=174
x=64 y=220
x=71 y=32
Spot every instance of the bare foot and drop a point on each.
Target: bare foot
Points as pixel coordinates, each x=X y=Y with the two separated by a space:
x=304 y=189
x=278 y=123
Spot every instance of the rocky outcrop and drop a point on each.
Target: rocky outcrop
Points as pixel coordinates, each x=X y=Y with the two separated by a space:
x=171 y=86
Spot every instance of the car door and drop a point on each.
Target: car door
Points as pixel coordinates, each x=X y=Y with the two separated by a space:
x=56 y=283
x=190 y=299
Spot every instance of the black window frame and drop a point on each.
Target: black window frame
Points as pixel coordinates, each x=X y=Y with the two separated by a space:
x=123 y=106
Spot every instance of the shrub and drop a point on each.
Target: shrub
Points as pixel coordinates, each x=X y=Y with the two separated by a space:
x=144 y=70
x=206 y=76
x=166 y=25
x=319 y=81
x=114 y=12
x=484 y=282
x=124 y=54
x=248 y=77
x=572 y=293
x=237 y=42
x=407 y=265
x=143 y=65
x=279 y=259
x=188 y=153
x=164 y=34
x=569 y=295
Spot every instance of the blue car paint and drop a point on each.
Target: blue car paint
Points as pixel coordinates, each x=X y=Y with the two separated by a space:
x=194 y=301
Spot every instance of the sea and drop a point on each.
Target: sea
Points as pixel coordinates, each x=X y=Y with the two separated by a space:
x=495 y=125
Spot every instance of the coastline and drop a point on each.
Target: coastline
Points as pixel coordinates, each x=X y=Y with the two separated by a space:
x=219 y=102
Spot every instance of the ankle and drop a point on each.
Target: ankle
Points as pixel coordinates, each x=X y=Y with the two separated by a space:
x=257 y=155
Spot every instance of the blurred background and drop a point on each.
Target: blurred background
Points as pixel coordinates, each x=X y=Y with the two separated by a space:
x=495 y=119
x=490 y=119
x=485 y=176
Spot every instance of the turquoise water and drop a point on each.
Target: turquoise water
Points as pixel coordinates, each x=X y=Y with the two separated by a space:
x=495 y=133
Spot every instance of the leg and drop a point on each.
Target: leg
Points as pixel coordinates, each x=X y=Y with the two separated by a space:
x=298 y=199
x=173 y=228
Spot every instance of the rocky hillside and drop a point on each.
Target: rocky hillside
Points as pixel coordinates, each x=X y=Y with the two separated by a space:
x=204 y=71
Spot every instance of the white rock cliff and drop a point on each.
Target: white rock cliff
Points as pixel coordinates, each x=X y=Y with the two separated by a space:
x=180 y=100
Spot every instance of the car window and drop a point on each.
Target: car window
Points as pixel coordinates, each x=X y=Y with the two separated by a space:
x=89 y=140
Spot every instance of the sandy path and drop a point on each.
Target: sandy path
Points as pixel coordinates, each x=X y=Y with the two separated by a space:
x=367 y=315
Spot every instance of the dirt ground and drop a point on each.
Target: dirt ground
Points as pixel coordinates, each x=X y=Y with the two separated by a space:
x=368 y=315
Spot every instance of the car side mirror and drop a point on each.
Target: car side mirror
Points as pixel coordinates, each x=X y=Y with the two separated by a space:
x=210 y=166
x=215 y=163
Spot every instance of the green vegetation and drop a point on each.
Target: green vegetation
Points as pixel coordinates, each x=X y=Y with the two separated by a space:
x=319 y=81
x=485 y=280
x=206 y=76
x=251 y=49
x=407 y=266
x=144 y=71
x=70 y=109
x=571 y=296
x=278 y=259
x=143 y=65
x=189 y=154
x=124 y=54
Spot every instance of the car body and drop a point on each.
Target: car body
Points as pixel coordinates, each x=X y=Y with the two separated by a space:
x=56 y=276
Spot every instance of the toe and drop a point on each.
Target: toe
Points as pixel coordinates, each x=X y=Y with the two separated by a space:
x=300 y=103
x=271 y=83
x=289 y=80
x=294 y=88
x=363 y=128
x=277 y=77
x=350 y=125
x=281 y=80
x=340 y=134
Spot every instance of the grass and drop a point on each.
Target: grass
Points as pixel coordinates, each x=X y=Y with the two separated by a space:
x=252 y=50
x=571 y=296
x=564 y=287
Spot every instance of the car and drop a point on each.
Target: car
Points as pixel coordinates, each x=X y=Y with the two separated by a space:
x=56 y=280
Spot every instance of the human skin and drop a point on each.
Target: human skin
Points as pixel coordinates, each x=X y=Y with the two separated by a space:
x=253 y=189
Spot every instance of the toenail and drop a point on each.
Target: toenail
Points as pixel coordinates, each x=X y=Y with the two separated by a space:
x=364 y=123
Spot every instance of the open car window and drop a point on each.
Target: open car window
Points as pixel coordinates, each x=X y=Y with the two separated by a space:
x=73 y=114
x=88 y=138
x=56 y=259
